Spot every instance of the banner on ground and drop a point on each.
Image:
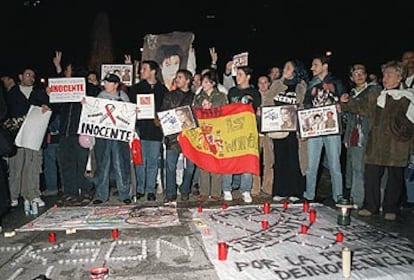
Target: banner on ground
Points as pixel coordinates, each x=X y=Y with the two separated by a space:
x=226 y=140
x=109 y=119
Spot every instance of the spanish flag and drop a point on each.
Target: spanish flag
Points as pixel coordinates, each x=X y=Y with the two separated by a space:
x=226 y=140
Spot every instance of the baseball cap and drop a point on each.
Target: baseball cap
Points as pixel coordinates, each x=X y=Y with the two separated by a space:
x=112 y=78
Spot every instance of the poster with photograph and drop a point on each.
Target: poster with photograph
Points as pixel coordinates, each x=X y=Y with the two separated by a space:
x=64 y=90
x=146 y=106
x=241 y=59
x=318 y=121
x=279 y=118
x=109 y=119
x=177 y=119
x=123 y=71
x=171 y=51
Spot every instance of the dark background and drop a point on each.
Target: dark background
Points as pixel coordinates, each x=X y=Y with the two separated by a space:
x=271 y=31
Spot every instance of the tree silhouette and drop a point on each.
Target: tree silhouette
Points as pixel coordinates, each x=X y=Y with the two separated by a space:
x=101 y=43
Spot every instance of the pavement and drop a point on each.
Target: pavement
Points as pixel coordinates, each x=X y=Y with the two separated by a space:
x=175 y=252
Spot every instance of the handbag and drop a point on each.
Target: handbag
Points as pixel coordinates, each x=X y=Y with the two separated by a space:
x=7 y=147
x=136 y=150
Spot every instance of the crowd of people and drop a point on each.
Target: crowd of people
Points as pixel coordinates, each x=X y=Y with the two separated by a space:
x=376 y=120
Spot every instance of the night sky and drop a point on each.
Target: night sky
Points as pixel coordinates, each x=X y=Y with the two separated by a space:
x=271 y=31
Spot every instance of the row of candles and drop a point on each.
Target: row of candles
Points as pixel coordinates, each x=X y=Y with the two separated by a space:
x=52 y=235
x=222 y=246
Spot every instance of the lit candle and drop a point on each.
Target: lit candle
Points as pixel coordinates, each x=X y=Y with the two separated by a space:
x=200 y=209
x=266 y=208
x=305 y=206
x=312 y=216
x=285 y=204
x=222 y=251
x=115 y=233
x=265 y=224
x=339 y=237
x=224 y=206
x=346 y=262
x=303 y=229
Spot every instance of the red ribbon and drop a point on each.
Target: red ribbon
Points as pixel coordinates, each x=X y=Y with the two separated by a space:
x=109 y=109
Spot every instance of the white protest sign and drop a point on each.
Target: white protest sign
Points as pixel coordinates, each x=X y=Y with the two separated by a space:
x=66 y=89
x=33 y=129
x=109 y=119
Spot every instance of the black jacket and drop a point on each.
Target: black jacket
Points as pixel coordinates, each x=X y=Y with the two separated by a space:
x=147 y=129
x=174 y=99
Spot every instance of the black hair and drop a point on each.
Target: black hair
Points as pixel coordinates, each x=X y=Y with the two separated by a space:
x=166 y=51
x=152 y=64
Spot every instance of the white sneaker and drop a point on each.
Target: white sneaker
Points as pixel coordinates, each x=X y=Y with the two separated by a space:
x=228 y=196
x=247 y=197
x=293 y=198
x=278 y=198
x=39 y=201
x=14 y=203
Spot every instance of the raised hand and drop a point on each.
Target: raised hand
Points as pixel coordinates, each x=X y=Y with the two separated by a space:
x=213 y=55
x=128 y=59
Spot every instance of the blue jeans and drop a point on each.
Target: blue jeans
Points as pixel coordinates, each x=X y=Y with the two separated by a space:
x=115 y=153
x=243 y=181
x=51 y=166
x=355 y=169
x=409 y=185
x=171 y=168
x=332 y=144
x=146 y=173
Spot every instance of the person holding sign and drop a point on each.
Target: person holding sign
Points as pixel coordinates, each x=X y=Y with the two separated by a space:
x=111 y=152
x=179 y=97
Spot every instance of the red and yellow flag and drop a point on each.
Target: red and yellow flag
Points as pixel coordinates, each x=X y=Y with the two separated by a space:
x=226 y=140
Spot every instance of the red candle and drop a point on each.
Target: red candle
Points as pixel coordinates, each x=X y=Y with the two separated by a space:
x=224 y=206
x=200 y=209
x=52 y=237
x=115 y=233
x=312 y=216
x=339 y=237
x=222 y=251
x=305 y=206
x=266 y=208
x=285 y=204
x=304 y=229
x=265 y=224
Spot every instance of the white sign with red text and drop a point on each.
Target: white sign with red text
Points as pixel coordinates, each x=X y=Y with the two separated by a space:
x=64 y=90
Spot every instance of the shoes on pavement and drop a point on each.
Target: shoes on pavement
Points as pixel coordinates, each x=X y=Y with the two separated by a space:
x=196 y=189
x=139 y=195
x=14 y=203
x=39 y=201
x=185 y=196
x=213 y=198
x=228 y=196
x=247 y=198
x=202 y=197
x=151 y=197
x=127 y=201
x=364 y=213
x=390 y=216
x=293 y=199
x=277 y=198
x=97 y=201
